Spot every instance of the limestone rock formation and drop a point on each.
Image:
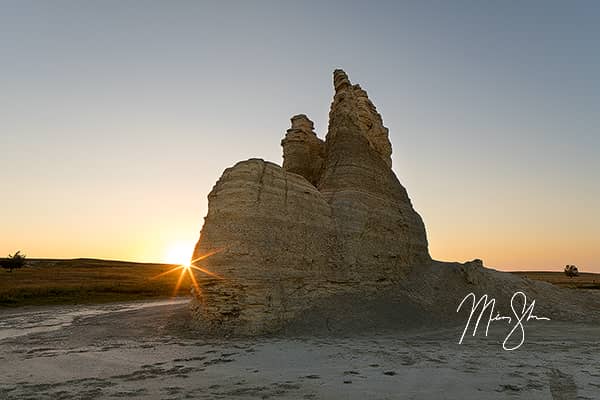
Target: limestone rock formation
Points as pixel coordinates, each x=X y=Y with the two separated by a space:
x=334 y=220
x=331 y=240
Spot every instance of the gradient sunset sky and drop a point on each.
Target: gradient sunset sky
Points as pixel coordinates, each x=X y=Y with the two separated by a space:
x=117 y=117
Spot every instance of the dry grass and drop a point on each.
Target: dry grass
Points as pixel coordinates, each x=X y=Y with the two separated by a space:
x=583 y=281
x=86 y=281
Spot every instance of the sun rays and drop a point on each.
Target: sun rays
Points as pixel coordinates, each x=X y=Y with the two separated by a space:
x=188 y=269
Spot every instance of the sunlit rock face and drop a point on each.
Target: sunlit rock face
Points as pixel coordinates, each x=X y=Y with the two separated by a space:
x=334 y=220
x=274 y=232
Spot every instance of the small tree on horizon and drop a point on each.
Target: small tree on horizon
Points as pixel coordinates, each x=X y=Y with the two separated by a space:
x=571 y=271
x=14 y=261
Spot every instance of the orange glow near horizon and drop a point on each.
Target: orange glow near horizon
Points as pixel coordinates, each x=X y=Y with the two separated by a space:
x=521 y=233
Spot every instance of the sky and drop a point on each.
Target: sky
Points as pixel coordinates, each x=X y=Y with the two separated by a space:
x=117 y=117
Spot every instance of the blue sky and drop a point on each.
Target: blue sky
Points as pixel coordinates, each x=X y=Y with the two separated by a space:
x=116 y=118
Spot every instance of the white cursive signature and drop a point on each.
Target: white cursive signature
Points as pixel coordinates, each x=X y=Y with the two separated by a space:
x=526 y=314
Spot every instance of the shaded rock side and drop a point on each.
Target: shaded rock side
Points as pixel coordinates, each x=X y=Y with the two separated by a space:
x=428 y=297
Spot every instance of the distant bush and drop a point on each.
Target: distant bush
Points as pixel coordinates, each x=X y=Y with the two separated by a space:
x=15 y=261
x=571 y=270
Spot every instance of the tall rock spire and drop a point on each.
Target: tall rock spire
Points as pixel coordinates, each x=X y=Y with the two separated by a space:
x=372 y=210
x=352 y=103
x=340 y=80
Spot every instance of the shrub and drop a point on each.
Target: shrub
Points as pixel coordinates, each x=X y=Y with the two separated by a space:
x=571 y=270
x=14 y=261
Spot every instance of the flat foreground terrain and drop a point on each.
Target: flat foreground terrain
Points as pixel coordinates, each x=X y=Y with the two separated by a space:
x=82 y=280
x=147 y=351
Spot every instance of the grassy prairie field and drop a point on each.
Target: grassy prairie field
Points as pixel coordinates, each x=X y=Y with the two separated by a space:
x=77 y=281
x=45 y=282
x=585 y=280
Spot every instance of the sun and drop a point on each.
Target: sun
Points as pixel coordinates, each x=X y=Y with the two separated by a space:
x=178 y=253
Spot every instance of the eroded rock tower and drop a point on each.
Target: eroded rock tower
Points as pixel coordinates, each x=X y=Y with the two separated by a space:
x=334 y=219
